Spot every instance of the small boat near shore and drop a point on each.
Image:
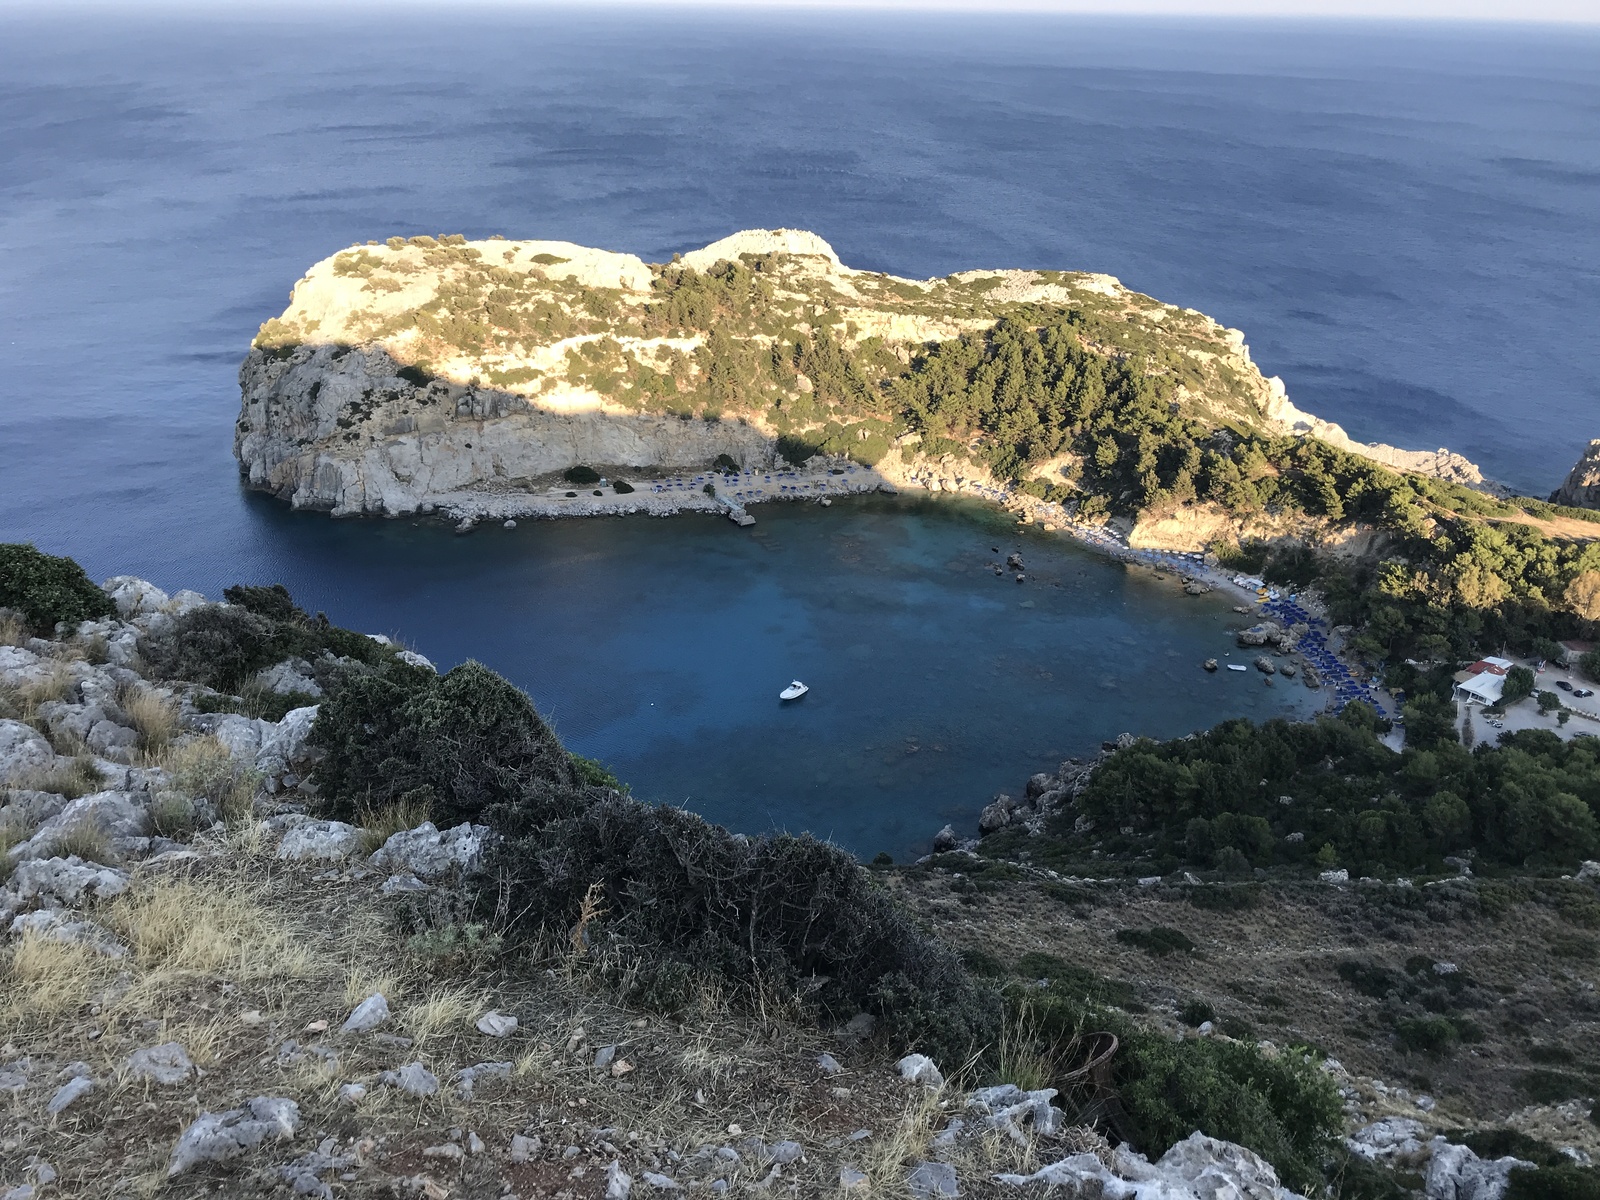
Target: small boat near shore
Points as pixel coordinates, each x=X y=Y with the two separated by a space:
x=794 y=691
x=1237 y=667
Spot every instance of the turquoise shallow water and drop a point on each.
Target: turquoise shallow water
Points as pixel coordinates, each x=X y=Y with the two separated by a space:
x=660 y=646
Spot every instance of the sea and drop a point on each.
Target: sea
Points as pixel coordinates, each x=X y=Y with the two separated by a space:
x=1401 y=217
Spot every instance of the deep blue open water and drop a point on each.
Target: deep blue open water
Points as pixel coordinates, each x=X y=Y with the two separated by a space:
x=1401 y=218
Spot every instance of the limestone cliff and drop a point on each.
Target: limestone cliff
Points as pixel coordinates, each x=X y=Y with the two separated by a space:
x=422 y=373
x=1582 y=486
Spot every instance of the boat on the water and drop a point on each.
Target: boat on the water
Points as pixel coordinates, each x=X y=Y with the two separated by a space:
x=794 y=691
x=1237 y=667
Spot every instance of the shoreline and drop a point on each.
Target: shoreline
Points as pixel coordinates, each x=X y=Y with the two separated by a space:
x=683 y=492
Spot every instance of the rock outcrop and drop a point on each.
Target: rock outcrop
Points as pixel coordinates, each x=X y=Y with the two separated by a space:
x=465 y=378
x=1582 y=486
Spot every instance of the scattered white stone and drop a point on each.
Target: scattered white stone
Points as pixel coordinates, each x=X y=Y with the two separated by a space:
x=1456 y=1173
x=449 y=1150
x=68 y=1093
x=353 y=1093
x=618 y=1182
x=474 y=1143
x=655 y=1179
x=414 y=1079
x=919 y=1068
x=417 y=660
x=216 y=1137
x=784 y=1153
x=828 y=1064
x=932 y=1179
x=524 y=1149
x=497 y=1024
x=1339 y=876
x=604 y=1055
x=291 y=676
x=851 y=1178
x=1008 y=1108
x=403 y=883
x=368 y=1015
x=165 y=1064
x=467 y=1078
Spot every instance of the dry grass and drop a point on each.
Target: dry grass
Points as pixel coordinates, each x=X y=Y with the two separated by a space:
x=44 y=980
x=21 y=701
x=88 y=842
x=154 y=718
x=172 y=815
x=202 y=767
x=77 y=778
x=378 y=827
x=12 y=630
x=179 y=925
x=444 y=1012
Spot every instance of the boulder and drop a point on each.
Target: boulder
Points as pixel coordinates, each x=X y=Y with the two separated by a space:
x=69 y=1093
x=1008 y=1108
x=217 y=1137
x=30 y=808
x=110 y=740
x=308 y=840
x=368 y=1015
x=1265 y=665
x=242 y=736
x=429 y=854
x=417 y=660
x=134 y=596
x=413 y=1079
x=283 y=746
x=292 y=675
x=497 y=1024
x=996 y=815
x=66 y=881
x=945 y=840
x=22 y=748
x=919 y=1068
x=185 y=601
x=1041 y=783
x=119 y=817
x=1399 y=1140
x=1197 y=1168
x=1456 y=1173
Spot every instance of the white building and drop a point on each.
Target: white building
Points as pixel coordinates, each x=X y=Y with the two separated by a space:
x=1483 y=682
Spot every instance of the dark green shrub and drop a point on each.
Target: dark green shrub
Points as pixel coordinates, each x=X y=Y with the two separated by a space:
x=786 y=912
x=621 y=486
x=218 y=646
x=1554 y=1182
x=271 y=601
x=1544 y=1086
x=1368 y=978
x=1354 y=1178
x=1427 y=1035
x=469 y=736
x=1158 y=940
x=46 y=589
x=984 y=966
x=594 y=773
x=1497 y=1143
x=415 y=376
x=1224 y=897
x=581 y=475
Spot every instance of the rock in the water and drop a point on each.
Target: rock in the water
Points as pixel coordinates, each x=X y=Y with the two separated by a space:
x=368 y=1015
x=1581 y=489
x=1210 y=664
x=319 y=841
x=166 y=1064
x=1265 y=665
x=430 y=854
x=217 y=1137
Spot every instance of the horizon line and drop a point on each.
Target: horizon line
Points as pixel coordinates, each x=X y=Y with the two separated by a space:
x=1382 y=12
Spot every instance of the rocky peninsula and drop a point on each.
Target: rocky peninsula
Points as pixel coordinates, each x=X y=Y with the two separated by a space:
x=466 y=378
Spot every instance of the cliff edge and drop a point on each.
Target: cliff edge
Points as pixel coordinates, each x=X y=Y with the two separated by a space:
x=1582 y=486
x=429 y=373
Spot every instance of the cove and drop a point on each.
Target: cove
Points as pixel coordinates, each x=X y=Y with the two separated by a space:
x=659 y=646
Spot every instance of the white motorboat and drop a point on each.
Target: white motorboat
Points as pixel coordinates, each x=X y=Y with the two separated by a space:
x=1237 y=667
x=794 y=691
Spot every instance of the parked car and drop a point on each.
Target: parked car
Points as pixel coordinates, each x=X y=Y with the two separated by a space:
x=1583 y=693
x=1563 y=685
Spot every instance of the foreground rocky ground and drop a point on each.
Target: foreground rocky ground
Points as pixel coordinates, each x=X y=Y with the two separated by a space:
x=207 y=990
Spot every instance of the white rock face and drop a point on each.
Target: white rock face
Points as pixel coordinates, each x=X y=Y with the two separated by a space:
x=1581 y=488
x=55 y=925
x=1456 y=1173
x=319 y=841
x=133 y=596
x=1197 y=1168
x=66 y=881
x=120 y=817
x=22 y=748
x=283 y=748
x=288 y=677
x=429 y=854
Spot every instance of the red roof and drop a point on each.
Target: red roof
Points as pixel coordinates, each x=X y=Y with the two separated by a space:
x=1479 y=667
